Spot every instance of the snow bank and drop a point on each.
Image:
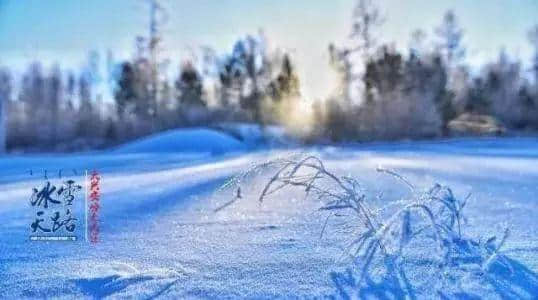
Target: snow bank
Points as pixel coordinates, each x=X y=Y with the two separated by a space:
x=199 y=140
x=254 y=136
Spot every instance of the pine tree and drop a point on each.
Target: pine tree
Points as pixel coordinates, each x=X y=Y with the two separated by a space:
x=286 y=85
x=246 y=74
x=190 y=87
x=477 y=99
x=125 y=93
x=33 y=92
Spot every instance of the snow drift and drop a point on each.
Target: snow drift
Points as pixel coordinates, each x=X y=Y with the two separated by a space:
x=254 y=135
x=192 y=140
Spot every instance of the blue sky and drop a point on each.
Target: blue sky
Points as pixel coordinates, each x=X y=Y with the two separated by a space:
x=64 y=31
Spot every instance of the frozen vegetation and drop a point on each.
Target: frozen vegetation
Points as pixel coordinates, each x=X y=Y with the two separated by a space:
x=418 y=219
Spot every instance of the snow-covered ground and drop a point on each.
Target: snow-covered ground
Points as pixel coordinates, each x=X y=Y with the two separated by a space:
x=195 y=140
x=160 y=236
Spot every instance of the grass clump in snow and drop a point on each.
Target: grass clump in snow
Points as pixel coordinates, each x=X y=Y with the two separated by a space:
x=432 y=217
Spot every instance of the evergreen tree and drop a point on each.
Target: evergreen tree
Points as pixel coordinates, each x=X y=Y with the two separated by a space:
x=189 y=85
x=70 y=91
x=132 y=93
x=33 y=91
x=286 y=85
x=477 y=99
x=245 y=76
x=228 y=82
x=125 y=93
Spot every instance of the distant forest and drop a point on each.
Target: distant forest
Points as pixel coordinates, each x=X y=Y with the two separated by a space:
x=384 y=93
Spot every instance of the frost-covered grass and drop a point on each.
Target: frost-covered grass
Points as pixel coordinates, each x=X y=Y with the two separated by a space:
x=433 y=215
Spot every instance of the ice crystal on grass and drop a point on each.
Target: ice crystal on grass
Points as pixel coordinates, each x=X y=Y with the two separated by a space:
x=432 y=217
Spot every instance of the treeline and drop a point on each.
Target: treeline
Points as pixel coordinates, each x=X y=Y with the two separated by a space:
x=62 y=110
x=384 y=92
x=426 y=92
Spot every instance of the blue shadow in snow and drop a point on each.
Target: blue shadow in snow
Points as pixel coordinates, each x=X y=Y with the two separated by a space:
x=515 y=281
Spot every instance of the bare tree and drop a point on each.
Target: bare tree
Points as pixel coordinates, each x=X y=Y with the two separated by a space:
x=157 y=16
x=5 y=94
x=533 y=39
x=366 y=18
x=55 y=94
x=416 y=44
x=340 y=59
x=450 y=35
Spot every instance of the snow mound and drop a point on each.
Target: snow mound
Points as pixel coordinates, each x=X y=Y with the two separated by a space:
x=192 y=140
x=475 y=124
x=254 y=136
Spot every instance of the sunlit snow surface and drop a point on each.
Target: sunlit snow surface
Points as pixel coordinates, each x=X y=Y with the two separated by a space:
x=160 y=236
